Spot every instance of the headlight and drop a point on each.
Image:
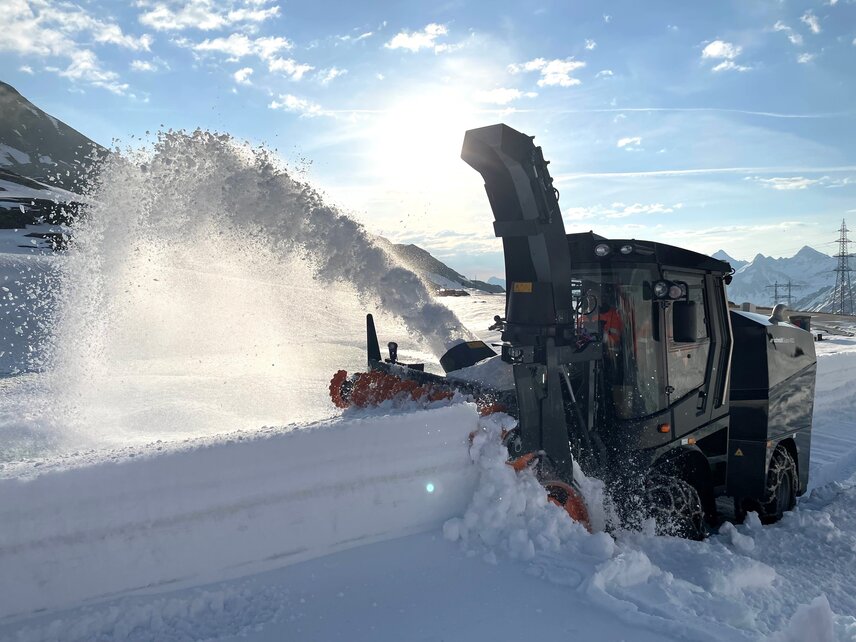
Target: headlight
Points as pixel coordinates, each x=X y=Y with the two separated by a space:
x=626 y=249
x=675 y=291
x=602 y=249
x=661 y=289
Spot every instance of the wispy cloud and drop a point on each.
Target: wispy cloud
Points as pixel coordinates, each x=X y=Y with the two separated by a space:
x=811 y=21
x=620 y=210
x=604 y=73
x=703 y=171
x=26 y=69
x=144 y=65
x=793 y=36
x=204 y=15
x=305 y=108
x=805 y=58
x=68 y=33
x=416 y=40
x=727 y=53
x=326 y=76
x=553 y=72
x=590 y=44
x=238 y=45
x=800 y=182
x=630 y=142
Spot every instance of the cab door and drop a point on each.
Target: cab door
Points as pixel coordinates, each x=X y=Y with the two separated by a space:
x=688 y=354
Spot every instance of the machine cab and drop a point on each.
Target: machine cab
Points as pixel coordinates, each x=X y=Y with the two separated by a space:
x=660 y=315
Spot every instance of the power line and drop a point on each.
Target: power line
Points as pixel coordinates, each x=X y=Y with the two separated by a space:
x=789 y=286
x=842 y=296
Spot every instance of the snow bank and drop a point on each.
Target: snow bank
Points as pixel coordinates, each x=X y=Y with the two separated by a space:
x=72 y=536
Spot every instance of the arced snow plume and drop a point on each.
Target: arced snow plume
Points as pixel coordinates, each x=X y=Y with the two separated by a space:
x=207 y=290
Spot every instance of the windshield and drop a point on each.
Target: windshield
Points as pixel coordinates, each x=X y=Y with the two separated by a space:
x=617 y=306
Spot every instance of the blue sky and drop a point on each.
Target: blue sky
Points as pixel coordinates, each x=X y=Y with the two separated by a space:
x=708 y=125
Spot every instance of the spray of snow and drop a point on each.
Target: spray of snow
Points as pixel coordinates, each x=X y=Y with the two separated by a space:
x=208 y=290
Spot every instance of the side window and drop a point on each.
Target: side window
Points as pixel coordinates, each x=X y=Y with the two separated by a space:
x=686 y=356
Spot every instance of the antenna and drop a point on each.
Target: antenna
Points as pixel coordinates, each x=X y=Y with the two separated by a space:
x=842 y=295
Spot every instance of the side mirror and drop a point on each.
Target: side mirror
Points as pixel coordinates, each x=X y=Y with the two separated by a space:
x=684 y=322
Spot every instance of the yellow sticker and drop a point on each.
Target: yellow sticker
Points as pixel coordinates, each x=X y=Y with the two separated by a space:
x=522 y=287
x=739 y=453
x=475 y=344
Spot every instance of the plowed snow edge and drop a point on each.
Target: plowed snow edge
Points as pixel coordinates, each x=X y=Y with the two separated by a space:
x=226 y=510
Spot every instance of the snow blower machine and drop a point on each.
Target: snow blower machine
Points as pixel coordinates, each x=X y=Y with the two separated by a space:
x=627 y=362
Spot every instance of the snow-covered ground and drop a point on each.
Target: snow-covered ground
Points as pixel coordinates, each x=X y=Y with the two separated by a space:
x=140 y=543
x=179 y=474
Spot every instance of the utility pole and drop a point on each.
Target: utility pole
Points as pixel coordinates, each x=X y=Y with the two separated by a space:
x=790 y=285
x=842 y=296
x=775 y=288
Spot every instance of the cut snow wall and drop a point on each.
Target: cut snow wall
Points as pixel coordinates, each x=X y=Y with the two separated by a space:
x=226 y=510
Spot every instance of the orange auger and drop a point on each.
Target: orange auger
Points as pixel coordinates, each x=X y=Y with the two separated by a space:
x=366 y=389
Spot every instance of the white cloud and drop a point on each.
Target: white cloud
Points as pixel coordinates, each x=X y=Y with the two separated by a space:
x=242 y=76
x=502 y=96
x=629 y=142
x=289 y=67
x=66 y=32
x=553 y=72
x=238 y=45
x=805 y=58
x=416 y=40
x=205 y=15
x=143 y=65
x=721 y=49
x=26 y=69
x=607 y=18
x=363 y=36
x=85 y=67
x=604 y=73
x=811 y=21
x=590 y=44
x=728 y=65
x=672 y=28
x=621 y=210
x=793 y=36
x=727 y=53
x=301 y=106
x=326 y=76
x=801 y=182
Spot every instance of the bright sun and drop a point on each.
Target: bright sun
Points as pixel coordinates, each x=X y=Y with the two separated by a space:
x=417 y=142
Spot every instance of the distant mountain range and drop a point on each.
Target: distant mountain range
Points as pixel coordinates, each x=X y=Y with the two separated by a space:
x=810 y=274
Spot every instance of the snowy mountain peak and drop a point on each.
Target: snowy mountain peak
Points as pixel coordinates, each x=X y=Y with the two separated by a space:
x=722 y=255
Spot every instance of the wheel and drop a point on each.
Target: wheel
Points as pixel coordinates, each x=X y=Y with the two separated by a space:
x=781 y=492
x=675 y=506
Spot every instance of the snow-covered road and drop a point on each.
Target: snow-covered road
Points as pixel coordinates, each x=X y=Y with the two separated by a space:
x=142 y=547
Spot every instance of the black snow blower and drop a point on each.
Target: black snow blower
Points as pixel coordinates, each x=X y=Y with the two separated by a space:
x=627 y=361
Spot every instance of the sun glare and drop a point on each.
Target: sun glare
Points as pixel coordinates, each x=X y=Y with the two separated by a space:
x=417 y=141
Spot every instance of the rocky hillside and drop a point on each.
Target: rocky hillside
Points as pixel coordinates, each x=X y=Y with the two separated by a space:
x=35 y=145
x=434 y=270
